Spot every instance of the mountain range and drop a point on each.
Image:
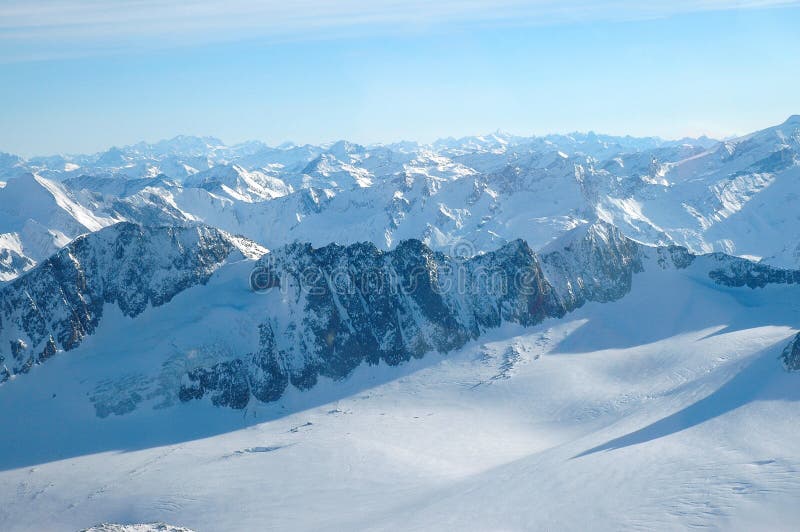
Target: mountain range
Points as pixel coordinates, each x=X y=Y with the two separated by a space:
x=471 y=333
x=475 y=192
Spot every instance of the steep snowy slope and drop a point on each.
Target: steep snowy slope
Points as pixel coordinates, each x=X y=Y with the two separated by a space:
x=238 y=184
x=39 y=216
x=601 y=419
x=115 y=186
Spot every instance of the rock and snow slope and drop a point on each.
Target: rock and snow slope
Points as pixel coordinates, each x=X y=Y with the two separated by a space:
x=313 y=313
x=37 y=217
x=59 y=303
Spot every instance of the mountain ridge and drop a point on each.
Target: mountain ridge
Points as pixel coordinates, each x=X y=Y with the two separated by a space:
x=326 y=311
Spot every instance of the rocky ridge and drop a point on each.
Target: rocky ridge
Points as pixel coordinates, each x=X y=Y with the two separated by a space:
x=337 y=307
x=59 y=303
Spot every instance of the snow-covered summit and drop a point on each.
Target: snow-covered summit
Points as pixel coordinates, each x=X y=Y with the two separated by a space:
x=235 y=182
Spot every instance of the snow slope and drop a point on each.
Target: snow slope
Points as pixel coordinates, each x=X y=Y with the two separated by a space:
x=601 y=419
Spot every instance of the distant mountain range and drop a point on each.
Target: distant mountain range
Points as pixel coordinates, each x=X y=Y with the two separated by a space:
x=475 y=193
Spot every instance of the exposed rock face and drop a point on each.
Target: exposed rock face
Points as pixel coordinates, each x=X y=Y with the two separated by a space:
x=232 y=383
x=673 y=257
x=60 y=302
x=791 y=354
x=593 y=263
x=355 y=304
x=735 y=271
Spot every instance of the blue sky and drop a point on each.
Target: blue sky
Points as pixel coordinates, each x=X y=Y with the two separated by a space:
x=78 y=76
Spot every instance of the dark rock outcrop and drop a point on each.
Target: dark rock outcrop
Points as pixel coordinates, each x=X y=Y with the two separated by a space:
x=791 y=354
x=593 y=263
x=737 y=272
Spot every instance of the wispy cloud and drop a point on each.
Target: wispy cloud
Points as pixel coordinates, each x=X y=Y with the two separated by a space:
x=53 y=28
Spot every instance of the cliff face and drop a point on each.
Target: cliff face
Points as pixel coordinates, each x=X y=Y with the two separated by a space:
x=791 y=354
x=593 y=263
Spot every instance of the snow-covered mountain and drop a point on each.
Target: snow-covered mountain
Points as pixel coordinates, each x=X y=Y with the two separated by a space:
x=335 y=336
x=324 y=312
x=734 y=197
x=238 y=184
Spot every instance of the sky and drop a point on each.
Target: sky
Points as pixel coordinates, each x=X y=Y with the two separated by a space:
x=83 y=75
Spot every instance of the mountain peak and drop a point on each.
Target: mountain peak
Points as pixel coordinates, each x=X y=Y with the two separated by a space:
x=792 y=120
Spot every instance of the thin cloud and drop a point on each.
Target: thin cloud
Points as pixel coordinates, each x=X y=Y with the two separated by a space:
x=56 y=28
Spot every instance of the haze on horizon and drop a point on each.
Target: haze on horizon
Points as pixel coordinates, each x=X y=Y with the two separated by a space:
x=76 y=76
